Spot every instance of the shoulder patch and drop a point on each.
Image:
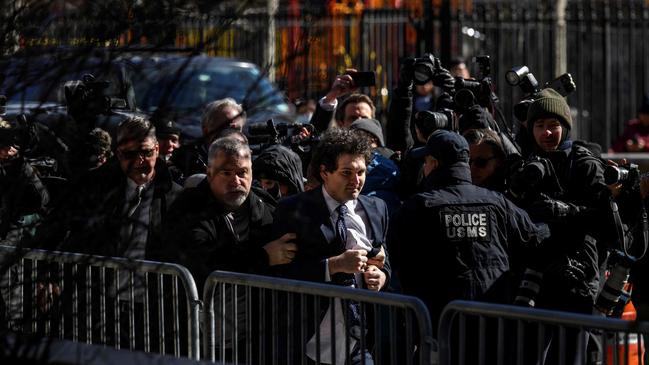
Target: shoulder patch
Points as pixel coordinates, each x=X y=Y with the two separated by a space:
x=462 y=223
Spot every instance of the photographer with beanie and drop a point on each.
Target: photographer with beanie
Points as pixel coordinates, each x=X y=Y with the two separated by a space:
x=570 y=195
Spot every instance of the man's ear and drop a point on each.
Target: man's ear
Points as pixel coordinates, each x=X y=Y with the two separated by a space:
x=435 y=164
x=323 y=172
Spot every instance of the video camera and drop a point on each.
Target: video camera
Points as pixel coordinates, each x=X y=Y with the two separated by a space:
x=88 y=97
x=522 y=77
x=263 y=135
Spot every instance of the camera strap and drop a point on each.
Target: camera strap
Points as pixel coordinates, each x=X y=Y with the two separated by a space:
x=645 y=232
x=619 y=227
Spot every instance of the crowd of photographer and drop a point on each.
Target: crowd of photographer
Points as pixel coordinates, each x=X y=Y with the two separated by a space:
x=443 y=193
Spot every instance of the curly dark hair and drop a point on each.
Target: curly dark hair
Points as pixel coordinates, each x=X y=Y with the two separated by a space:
x=337 y=142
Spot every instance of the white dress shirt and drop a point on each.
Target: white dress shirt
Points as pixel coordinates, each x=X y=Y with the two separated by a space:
x=357 y=223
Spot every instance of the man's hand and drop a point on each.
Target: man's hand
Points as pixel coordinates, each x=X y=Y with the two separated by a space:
x=406 y=73
x=378 y=260
x=443 y=78
x=281 y=251
x=350 y=262
x=343 y=85
x=374 y=278
x=548 y=209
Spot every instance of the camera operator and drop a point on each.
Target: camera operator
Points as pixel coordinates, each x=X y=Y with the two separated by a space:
x=562 y=184
x=355 y=106
x=22 y=194
x=219 y=115
x=400 y=130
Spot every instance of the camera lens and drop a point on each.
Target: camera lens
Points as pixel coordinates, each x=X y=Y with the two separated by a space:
x=615 y=174
x=529 y=288
x=614 y=286
x=427 y=121
x=464 y=98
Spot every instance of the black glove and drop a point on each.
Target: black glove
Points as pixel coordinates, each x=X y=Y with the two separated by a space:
x=443 y=78
x=569 y=272
x=548 y=209
x=406 y=73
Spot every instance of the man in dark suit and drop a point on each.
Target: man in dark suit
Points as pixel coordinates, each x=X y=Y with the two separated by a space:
x=340 y=237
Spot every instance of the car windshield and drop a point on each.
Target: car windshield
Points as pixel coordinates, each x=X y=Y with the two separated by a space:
x=189 y=85
x=42 y=80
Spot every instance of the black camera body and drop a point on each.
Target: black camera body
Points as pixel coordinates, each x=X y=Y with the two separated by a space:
x=423 y=69
x=531 y=177
x=469 y=92
x=627 y=175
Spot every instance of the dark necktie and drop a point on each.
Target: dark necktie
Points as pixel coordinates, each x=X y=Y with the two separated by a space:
x=341 y=227
x=135 y=201
x=352 y=314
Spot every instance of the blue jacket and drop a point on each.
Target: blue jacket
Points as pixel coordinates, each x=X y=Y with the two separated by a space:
x=381 y=181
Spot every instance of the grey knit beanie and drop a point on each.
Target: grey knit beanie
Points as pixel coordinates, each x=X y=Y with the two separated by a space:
x=549 y=104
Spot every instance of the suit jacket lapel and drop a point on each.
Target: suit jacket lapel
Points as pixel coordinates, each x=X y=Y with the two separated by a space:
x=323 y=215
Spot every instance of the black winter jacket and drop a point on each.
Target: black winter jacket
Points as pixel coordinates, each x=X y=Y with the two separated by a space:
x=457 y=239
x=199 y=237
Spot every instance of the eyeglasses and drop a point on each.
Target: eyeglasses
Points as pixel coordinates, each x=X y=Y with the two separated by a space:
x=480 y=162
x=131 y=155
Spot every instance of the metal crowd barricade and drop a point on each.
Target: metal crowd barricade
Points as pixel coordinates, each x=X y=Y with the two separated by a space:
x=267 y=320
x=484 y=333
x=123 y=303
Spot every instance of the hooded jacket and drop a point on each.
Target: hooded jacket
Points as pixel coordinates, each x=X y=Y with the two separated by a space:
x=281 y=164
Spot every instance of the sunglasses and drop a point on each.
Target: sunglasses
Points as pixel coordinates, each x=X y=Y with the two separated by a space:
x=131 y=155
x=480 y=162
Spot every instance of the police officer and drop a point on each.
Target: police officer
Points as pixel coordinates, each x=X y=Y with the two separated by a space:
x=457 y=236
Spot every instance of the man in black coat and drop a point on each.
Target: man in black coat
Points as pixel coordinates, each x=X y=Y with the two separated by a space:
x=224 y=223
x=116 y=210
x=340 y=234
x=119 y=208
x=219 y=115
x=457 y=235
